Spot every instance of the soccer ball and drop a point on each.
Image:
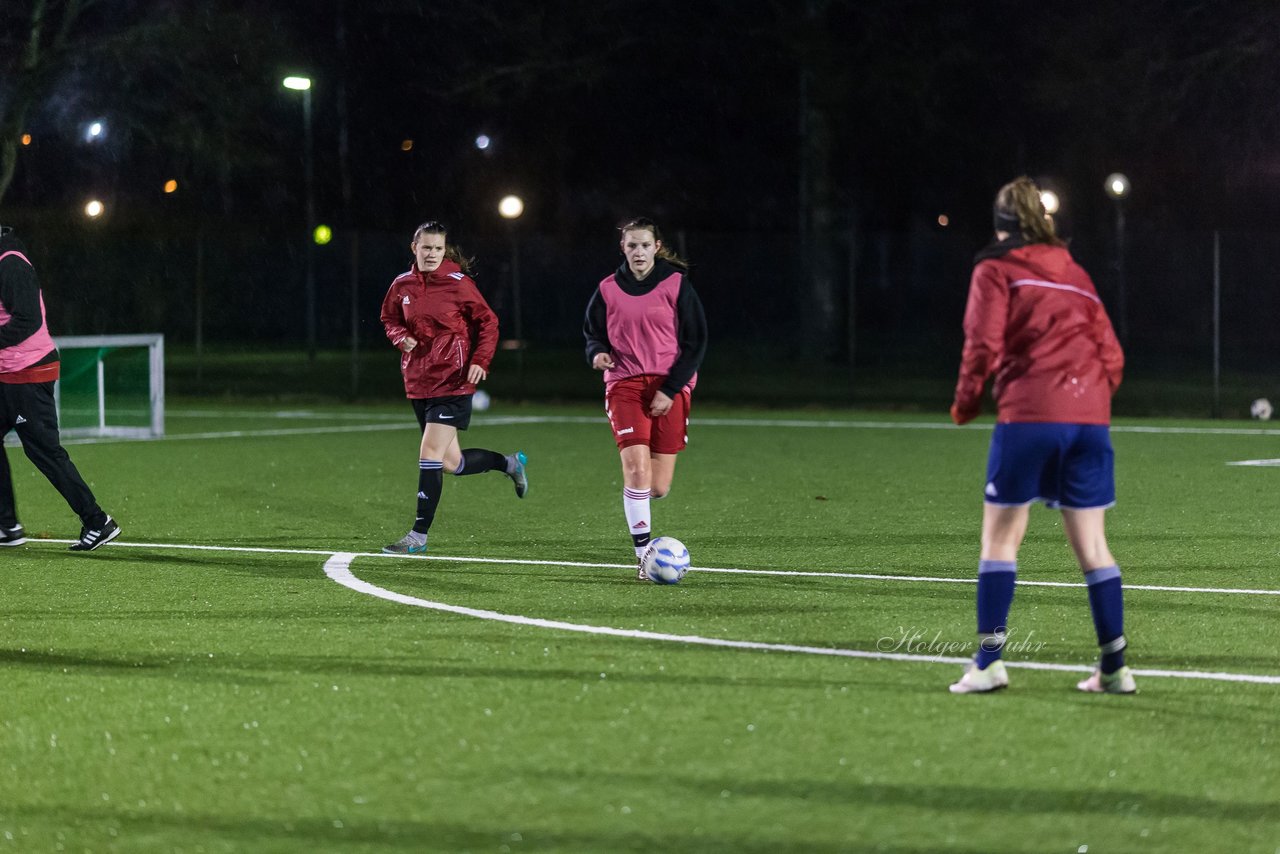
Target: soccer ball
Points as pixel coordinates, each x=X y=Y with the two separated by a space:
x=480 y=401
x=665 y=561
x=1261 y=409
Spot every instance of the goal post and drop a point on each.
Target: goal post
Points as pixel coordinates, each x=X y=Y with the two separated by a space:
x=111 y=385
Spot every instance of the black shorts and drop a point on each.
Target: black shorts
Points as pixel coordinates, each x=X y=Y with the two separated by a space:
x=454 y=410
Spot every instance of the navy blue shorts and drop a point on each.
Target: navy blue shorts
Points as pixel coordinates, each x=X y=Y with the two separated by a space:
x=1063 y=465
x=454 y=410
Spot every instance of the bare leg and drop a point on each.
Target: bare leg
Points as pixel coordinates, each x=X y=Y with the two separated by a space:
x=1002 y=531
x=1086 y=531
x=663 y=471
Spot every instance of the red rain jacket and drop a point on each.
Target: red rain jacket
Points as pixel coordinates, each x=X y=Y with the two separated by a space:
x=453 y=325
x=1035 y=322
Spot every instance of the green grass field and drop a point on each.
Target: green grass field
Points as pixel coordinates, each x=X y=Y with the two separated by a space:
x=204 y=685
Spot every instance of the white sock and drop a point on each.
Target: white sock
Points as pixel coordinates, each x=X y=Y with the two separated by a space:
x=635 y=503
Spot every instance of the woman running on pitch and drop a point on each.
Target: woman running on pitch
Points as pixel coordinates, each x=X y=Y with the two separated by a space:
x=646 y=331
x=447 y=335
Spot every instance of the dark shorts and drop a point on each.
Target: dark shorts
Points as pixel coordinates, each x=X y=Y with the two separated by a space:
x=1063 y=465
x=626 y=402
x=454 y=410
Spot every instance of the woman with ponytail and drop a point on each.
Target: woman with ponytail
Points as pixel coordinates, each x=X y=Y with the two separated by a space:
x=1034 y=323
x=446 y=334
x=646 y=331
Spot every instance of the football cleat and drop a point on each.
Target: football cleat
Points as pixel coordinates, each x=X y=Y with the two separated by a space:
x=1120 y=682
x=518 y=475
x=975 y=681
x=412 y=543
x=91 y=539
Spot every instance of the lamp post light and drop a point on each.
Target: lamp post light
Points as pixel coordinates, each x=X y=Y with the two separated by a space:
x=1117 y=187
x=303 y=85
x=511 y=208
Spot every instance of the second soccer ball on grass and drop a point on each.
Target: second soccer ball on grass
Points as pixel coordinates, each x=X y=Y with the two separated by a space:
x=665 y=561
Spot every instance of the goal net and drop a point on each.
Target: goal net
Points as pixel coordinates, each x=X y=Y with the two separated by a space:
x=111 y=385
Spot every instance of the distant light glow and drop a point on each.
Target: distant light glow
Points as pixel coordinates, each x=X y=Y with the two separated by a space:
x=94 y=209
x=322 y=235
x=1117 y=185
x=95 y=130
x=26 y=139
x=171 y=186
x=483 y=141
x=944 y=220
x=299 y=84
x=1049 y=199
x=511 y=207
x=407 y=145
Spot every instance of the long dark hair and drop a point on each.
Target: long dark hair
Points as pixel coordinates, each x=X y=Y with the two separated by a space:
x=452 y=252
x=643 y=223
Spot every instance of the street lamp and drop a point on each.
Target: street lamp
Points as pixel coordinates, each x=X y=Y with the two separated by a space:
x=511 y=208
x=1117 y=187
x=303 y=85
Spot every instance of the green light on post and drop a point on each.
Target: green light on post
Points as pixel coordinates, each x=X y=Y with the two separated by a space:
x=322 y=235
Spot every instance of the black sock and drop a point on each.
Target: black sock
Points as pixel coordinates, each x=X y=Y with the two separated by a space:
x=430 y=485
x=477 y=460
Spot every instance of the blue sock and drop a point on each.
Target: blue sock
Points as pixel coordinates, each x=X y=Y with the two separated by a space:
x=1106 y=601
x=995 y=595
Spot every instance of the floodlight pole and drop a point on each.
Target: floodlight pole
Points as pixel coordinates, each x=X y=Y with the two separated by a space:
x=308 y=157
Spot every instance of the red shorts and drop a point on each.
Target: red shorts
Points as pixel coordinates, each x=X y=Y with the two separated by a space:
x=626 y=402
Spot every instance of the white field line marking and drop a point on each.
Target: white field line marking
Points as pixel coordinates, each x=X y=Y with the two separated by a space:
x=1256 y=463
x=800 y=573
x=508 y=420
x=338 y=568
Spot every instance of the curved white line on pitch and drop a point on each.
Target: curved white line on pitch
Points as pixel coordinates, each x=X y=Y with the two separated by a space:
x=338 y=568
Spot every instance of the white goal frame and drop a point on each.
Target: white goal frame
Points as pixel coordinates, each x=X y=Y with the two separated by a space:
x=154 y=342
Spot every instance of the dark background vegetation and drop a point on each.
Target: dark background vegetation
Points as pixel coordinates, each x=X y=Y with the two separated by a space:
x=800 y=154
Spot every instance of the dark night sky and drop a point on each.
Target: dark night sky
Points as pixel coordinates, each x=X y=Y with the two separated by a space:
x=690 y=111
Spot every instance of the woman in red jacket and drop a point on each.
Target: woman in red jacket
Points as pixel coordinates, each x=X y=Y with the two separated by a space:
x=446 y=334
x=1034 y=322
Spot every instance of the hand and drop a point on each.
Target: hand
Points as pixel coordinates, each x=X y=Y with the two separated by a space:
x=475 y=374
x=407 y=343
x=602 y=361
x=661 y=404
x=962 y=416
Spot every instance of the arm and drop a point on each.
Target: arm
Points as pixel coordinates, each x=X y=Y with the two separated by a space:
x=393 y=321
x=595 y=330
x=691 y=326
x=1109 y=350
x=484 y=330
x=20 y=296
x=984 y=323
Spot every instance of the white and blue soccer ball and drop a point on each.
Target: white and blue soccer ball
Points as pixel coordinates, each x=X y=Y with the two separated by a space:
x=665 y=561
x=480 y=400
x=1261 y=409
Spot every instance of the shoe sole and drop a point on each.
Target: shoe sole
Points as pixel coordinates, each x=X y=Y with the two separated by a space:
x=78 y=547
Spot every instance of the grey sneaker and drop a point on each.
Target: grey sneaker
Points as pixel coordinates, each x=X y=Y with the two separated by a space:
x=91 y=539
x=14 y=536
x=411 y=543
x=641 y=575
x=518 y=475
